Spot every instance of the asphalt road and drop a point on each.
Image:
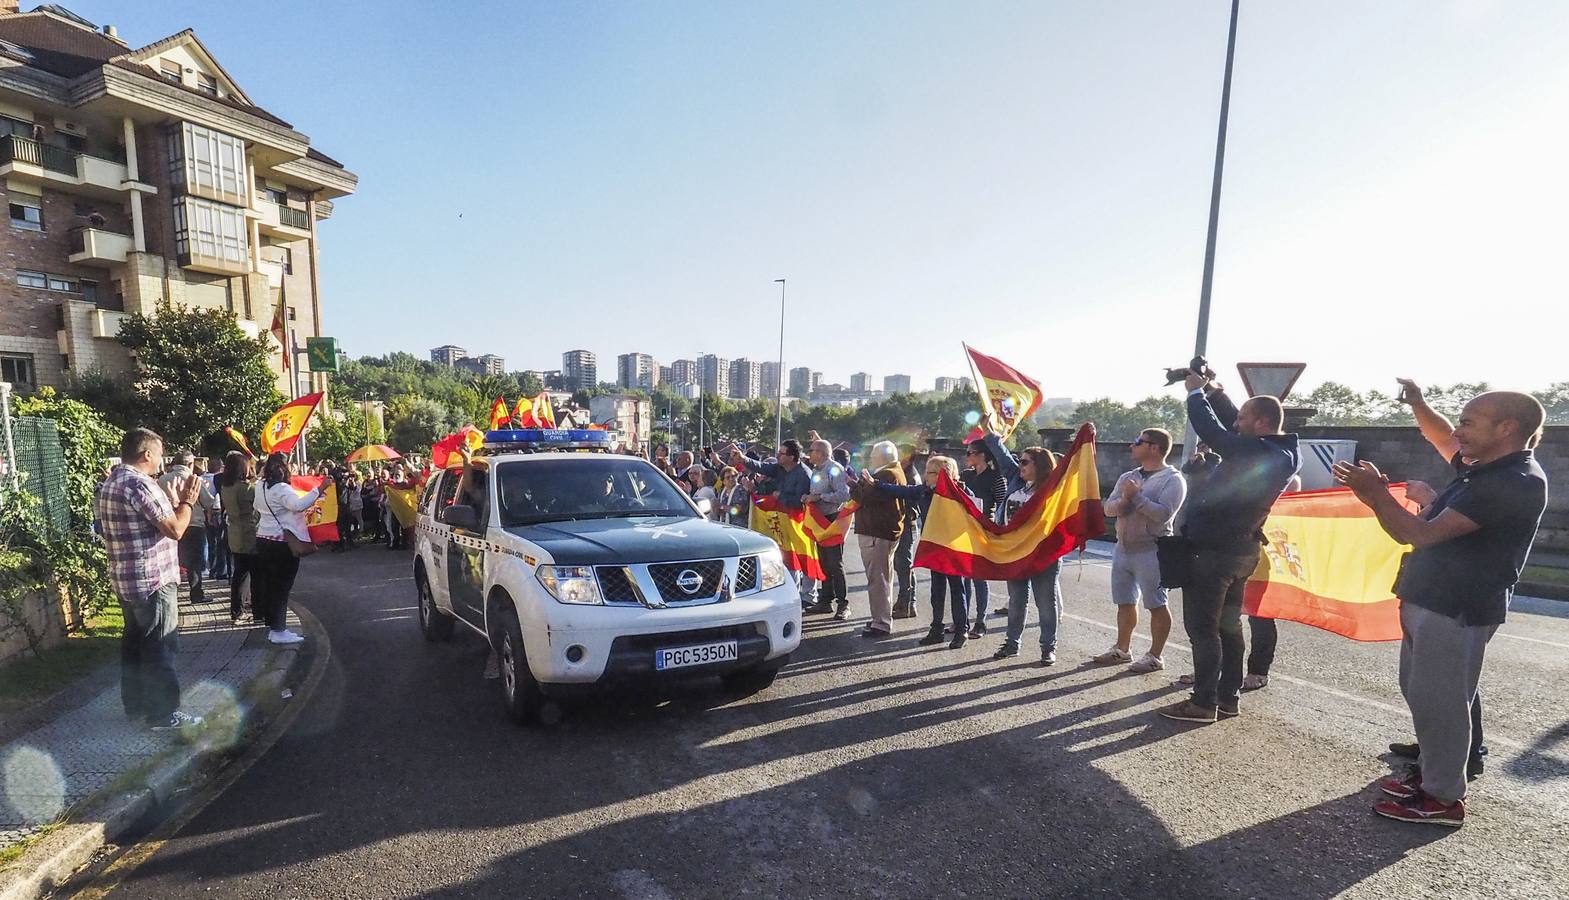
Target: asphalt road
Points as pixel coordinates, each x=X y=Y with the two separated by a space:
x=871 y=769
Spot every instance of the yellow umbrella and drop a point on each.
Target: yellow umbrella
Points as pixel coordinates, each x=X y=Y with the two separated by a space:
x=373 y=453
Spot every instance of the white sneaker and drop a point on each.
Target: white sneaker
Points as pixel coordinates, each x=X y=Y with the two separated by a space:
x=177 y=721
x=1146 y=664
x=284 y=637
x=1116 y=656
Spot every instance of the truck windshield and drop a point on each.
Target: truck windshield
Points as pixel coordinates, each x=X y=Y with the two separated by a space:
x=546 y=490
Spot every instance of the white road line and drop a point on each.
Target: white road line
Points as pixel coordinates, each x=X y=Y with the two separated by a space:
x=1532 y=640
x=1492 y=736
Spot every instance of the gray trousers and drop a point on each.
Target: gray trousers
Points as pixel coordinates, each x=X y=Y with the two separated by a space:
x=1440 y=665
x=877 y=557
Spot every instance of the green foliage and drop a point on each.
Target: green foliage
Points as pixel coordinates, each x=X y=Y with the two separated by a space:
x=86 y=438
x=36 y=567
x=332 y=438
x=417 y=423
x=1116 y=421
x=197 y=372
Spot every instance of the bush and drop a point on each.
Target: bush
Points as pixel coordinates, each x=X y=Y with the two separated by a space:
x=87 y=440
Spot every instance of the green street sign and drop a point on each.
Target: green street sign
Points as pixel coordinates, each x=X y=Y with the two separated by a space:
x=322 y=354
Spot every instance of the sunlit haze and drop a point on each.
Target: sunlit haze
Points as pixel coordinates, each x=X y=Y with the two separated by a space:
x=1031 y=177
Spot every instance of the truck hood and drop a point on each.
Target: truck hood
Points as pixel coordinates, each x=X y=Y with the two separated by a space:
x=593 y=542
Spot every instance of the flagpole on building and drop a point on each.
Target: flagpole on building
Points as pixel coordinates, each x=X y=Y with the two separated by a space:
x=779 y=382
x=1201 y=343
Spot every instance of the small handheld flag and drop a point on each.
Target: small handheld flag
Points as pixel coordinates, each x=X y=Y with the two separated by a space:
x=1008 y=397
x=498 y=414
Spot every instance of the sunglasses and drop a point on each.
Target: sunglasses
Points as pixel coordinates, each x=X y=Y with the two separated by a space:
x=1142 y=441
x=973 y=453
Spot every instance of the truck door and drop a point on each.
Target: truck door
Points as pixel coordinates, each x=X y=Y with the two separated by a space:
x=466 y=549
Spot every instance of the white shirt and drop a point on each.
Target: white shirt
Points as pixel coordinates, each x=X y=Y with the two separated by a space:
x=282 y=509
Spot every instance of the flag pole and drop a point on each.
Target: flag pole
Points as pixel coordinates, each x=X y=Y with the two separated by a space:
x=779 y=382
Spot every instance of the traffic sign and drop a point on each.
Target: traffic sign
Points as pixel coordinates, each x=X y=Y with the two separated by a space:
x=322 y=354
x=1270 y=379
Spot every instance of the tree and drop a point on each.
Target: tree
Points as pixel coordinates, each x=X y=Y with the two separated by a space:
x=332 y=438
x=86 y=438
x=196 y=373
x=1556 y=401
x=417 y=423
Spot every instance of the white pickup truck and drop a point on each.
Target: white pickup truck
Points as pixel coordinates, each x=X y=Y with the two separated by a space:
x=585 y=569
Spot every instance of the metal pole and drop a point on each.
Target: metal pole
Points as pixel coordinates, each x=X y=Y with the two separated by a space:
x=779 y=382
x=12 y=473
x=702 y=401
x=1201 y=343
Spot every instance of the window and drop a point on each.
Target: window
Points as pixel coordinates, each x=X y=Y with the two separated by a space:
x=207 y=84
x=18 y=127
x=27 y=211
x=31 y=279
x=89 y=290
x=213 y=230
x=277 y=195
x=291 y=314
x=288 y=260
x=64 y=283
x=171 y=70
x=208 y=163
x=17 y=368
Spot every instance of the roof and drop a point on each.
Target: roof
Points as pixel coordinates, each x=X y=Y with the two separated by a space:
x=58 y=46
x=313 y=153
x=146 y=70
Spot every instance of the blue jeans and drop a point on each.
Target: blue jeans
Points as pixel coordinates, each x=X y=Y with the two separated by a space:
x=193 y=556
x=1048 y=603
x=149 y=689
x=218 y=551
x=981 y=590
x=955 y=590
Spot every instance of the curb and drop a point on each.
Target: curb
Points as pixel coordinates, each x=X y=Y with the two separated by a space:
x=115 y=813
x=1545 y=590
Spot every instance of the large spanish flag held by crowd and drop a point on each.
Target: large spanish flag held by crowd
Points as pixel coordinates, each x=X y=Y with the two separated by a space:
x=283 y=430
x=830 y=532
x=1008 y=396
x=789 y=530
x=1064 y=513
x=403 y=500
x=322 y=518
x=1328 y=564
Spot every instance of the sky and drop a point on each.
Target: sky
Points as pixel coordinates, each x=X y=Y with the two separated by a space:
x=1032 y=178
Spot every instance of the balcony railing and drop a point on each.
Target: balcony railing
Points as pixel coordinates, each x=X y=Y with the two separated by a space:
x=294 y=218
x=14 y=148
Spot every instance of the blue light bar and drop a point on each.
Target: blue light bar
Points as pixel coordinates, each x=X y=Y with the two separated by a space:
x=516 y=439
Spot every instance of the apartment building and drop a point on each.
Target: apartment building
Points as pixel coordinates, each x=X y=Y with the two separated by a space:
x=746 y=380
x=945 y=385
x=484 y=364
x=896 y=384
x=713 y=373
x=447 y=355
x=800 y=382
x=768 y=379
x=861 y=382
x=637 y=370
x=140 y=176
x=683 y=371
x=579 y=370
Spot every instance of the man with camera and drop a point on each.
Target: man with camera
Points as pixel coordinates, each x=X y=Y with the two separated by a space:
x=1224 y=535
x=1470 y=543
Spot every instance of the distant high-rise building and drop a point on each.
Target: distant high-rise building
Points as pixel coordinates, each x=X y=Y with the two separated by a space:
x=579 y=370
x=746 y=379
x=860 y=382
x=713 y=373
x=800 y=382
x=489 y=364
x=667 y=375
x=966 y=384
x=637 y=370
x=896 y=384
x=946 y=385
x=448 y=354
x=817 y=379
x=683 y=371
x=553 y=380
x=768 y=380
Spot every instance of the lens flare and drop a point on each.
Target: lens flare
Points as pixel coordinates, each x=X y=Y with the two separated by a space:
x=973 y=417
x=34 y=785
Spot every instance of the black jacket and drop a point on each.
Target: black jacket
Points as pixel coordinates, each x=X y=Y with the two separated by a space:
x=1230 y=511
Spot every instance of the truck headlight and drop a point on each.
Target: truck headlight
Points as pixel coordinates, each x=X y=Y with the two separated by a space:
x=771 y=570
x=571 y=584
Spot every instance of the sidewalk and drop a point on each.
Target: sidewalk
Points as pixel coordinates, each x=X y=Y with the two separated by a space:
x=80 y=743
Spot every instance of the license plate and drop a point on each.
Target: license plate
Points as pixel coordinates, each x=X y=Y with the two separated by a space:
x=700 y=655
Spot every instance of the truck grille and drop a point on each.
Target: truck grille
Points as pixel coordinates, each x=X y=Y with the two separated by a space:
x=668 y=577
x=746 y=574
x=615 y=583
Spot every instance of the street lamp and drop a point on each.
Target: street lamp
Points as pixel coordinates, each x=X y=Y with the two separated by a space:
x=779 y=381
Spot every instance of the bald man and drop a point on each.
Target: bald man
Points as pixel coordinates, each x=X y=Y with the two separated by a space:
x=1225 y=525
x=1455 y=586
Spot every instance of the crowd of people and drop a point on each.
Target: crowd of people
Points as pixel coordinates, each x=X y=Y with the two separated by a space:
x=1198 y=527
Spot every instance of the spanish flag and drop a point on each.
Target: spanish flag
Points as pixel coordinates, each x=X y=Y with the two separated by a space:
x=1328 y=564
x=402 y=500
x=1059 y=517
x=788 y=529
x=498 y=414
x=283 y=430
x=280 y=328
x=322 y=518
x=829 y=533
x=543 y=414
x=1008 y=396
x=444 y=453
x=523 y=413
x=239 y=440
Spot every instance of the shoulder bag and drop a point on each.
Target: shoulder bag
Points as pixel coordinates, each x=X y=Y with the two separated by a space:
x=299 y=548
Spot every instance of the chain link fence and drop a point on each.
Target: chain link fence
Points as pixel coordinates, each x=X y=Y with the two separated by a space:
x=41 y=463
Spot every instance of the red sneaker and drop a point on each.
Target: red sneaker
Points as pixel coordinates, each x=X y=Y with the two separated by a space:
x=1403 y=787
x=1423 y=809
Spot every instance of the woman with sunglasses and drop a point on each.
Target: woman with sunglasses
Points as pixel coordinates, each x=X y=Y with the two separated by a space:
x=1025 y=474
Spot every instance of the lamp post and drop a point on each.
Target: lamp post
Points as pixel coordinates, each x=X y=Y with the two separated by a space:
x=1201 y=342
x=779 y=381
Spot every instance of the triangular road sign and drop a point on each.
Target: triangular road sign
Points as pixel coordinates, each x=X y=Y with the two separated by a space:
x=1270 y=379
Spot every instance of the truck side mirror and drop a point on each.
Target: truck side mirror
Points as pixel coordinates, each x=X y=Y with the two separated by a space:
x=460 y=516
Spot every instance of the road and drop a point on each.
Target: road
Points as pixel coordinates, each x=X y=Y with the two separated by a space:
x=871 y=768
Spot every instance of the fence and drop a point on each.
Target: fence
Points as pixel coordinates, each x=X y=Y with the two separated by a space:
x=41 y=463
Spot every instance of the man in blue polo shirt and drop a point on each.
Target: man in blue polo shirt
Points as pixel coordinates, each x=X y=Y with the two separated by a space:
x=1454 y=587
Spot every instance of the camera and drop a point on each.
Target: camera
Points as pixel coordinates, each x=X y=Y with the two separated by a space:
x=1196 y=364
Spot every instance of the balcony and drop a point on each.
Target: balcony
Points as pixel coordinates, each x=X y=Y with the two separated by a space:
x=81 y=173
x=107 y=322
x=95 y=245
x=283 y=221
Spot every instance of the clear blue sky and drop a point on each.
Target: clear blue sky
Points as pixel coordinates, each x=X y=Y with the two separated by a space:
x=1031 y=177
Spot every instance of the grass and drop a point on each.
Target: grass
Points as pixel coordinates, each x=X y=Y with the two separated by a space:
x=1545 y=575
x=29 y=678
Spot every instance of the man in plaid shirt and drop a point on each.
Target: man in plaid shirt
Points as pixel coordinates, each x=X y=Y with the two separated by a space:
x=142 y=524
